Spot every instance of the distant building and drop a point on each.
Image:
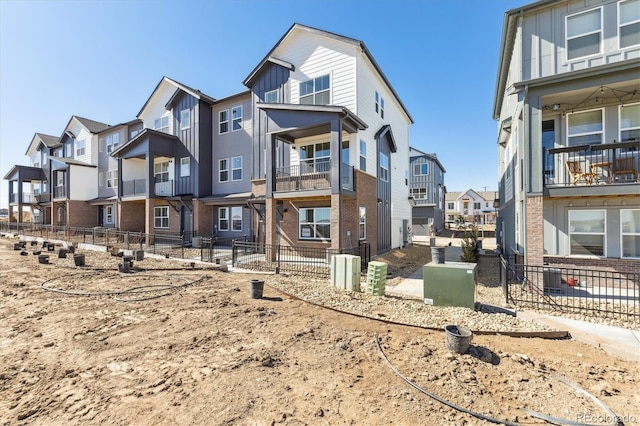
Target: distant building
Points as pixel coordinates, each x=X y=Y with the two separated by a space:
x=4 y=212
x=426 y=188
x=472 y=206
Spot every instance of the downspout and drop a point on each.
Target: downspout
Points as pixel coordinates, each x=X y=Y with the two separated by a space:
x=525 y=173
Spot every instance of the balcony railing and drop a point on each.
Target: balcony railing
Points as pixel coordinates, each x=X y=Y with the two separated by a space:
x=308 y=177
x=134 y=188
x=600 y=164
x=170 y=188
x=43 y=198
x=60 y=191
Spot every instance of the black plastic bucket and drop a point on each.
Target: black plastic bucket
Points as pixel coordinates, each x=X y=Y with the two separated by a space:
x=43 y=258
x=255 y=290
x=79 y=259
x=457 y=338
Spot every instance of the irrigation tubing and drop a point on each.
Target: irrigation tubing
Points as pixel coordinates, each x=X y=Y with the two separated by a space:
x=437 y=398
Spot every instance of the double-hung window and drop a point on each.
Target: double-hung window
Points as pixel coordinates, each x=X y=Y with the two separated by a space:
x=161 y=172
x=377 y=96
x=420 y=169
x=315 y=158
x=108 y=214
x=384 y=167
x=316 y=91
x=112 y=179
x=629 y=122
x=629 y=23
x=185 y=119
x=185 y=166
x=476 y=206
x=223 y=170
x=584 y=128
x=584 y=34
x=80 y=147
x=236 y=168
x=161 y=217
x=271 y=97
x=236 y=118
x=362 y=223
x=419 y=193
x=223 y=121
x=363 y=155
x=236 y=218
x=630 y=232
x=587 y=232
x=451 y=206
x=381 y=108
x=315 y=223
x=223 y=218
x=162 y=124
x=112 y=141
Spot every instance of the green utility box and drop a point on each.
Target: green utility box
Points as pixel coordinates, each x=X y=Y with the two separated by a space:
x=450 y=284
x=376 y=278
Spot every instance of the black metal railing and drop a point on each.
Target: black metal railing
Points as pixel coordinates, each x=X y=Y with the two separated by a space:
x=217 y=249
x=60 y=191
x=307 y=261
x=567 y=290
x=599 y=164
x=135 y=187
x=306 y=176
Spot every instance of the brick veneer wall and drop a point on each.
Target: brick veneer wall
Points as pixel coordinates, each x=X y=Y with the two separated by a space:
x=535 y=231
x=289 y=223
x=80 y=213
x=366 y=196
x=202 y=218
x=131 y=216
x=612 y=265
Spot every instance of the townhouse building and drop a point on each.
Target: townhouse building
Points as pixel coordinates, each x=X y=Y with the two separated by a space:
x=471 y=206
x=567 y=104
x=314 y=154
x=427 y=190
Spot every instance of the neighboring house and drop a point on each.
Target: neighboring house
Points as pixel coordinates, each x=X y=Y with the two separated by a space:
x=4 y=213
x=165 y=167
x=29 y=186
x=426 y=187
x=472 y=206
x=330 y=145
x=568 y=109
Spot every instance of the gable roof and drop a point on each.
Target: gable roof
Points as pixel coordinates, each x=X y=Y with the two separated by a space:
x=433 y=157
x=344 y=39
x=384 y=130
x=92 y=125
x=48 y=140
x=267 y=59
x=191 y=91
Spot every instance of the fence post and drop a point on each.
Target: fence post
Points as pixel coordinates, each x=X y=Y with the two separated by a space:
x=182 y=243
x=141 y=248
x=503 y=278
x=277 y=258
x=153 y=237
x=233 y=252
x=93 y=236
x=127 y=237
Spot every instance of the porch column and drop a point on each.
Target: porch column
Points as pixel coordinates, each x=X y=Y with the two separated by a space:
x=149 y=216
x=120 y=188
x=270 y=167
x=534 y=249
x=151 y=189
x=270 y=226
x=336 y=184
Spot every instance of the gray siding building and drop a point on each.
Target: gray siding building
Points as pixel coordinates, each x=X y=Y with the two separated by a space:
x=426 y=187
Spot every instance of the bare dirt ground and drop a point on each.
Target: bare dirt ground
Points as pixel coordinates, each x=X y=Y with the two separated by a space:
x=199 y=350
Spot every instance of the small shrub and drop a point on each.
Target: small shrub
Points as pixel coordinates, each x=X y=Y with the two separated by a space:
x=470 y=245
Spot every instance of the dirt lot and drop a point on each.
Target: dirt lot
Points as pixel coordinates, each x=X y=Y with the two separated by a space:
x=199 y=350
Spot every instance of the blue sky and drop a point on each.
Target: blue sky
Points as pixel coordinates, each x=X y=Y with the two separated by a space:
x=102 y=59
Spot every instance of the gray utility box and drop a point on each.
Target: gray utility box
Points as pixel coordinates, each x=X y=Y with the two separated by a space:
x=552 y=279
x=450 y=284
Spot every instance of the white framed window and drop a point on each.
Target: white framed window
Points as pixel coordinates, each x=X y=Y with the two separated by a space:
x=419 y=193
x=161 y=217
x=629 y=122
x=628 y=23
x=420 y=169
x=377 y=98
x=451 y=206
x=583 y=33
x=236 y=219
x=236 y=168
x=315 y=158
x=316 y=91
x=476 y=206
x=384 y=167
x=223 y=170
x=161 y=172
x=108 y=214
x=185 y=119
x=134 y=133
x=587 y=232
x=362 y=223
x=271 y=97
x=315 y=223
x=236 y=118
x=112 y=179
x=223 y=121
x=44 y=157
x=223 y=218
x=630 y=233
x=101 y=181
x=185 y=166
x=363 y=155
x=80 y=147
x=112 y=142
x=585 y=128
x=381 y=108
x=162 y=124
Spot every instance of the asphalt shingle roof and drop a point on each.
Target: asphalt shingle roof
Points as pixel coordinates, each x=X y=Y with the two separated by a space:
x=92 y=125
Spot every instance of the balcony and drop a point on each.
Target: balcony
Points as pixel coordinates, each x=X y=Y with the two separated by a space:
x=173 y=188
x=590 y=166
x=60 y=191
x=134 y=188
x=310 y=177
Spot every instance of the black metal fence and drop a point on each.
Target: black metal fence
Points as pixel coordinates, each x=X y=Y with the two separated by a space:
x=586 y=291
x=309 y=261
x=218 y=249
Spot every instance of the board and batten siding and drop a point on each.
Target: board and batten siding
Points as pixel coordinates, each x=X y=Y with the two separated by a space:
x=544 y=37
x=314 y=56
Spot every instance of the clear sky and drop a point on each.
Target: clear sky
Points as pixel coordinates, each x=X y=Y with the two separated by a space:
x=102 y=59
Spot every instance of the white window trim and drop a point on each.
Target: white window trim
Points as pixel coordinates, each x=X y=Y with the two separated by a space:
x=377 y=102
x=220 y=170
x=184 y=126
x=233 y=179
x=300 y=237
x=381 y=107
x=220 y=218
x=602 y=132
x=168 y=126
x=420 y=164
x=81 y=144
x=330 y=89
x=276 y=91
x=112 y=178
x=101 y=180
x=384 y=168
x=184 y=163
x=157 y=173
x=362 y=222
x=622 y=234
x=164 y=213
x=620 y=128
x=220 y=121
x=566 y=35
x=108 y=215
x=363 y=155
x=603 y=233
x=633 y=46
x=239 y=119
x=231 y=220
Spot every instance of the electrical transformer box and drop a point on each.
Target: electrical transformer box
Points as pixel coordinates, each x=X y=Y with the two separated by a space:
x=450 y=284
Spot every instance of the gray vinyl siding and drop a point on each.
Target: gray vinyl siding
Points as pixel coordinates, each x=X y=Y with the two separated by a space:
x=272 y=77
x=384 y=197
x=189 y=137
x=106 y=162
x=232 y=144
x=205 y=152
x=246 y=223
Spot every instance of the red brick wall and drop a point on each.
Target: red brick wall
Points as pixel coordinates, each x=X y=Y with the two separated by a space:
x=80 y=213
x=131 y=216
x=366 y=196
x=289 y=224
x=534 y=250
x=202 y=218
x=612 y=265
